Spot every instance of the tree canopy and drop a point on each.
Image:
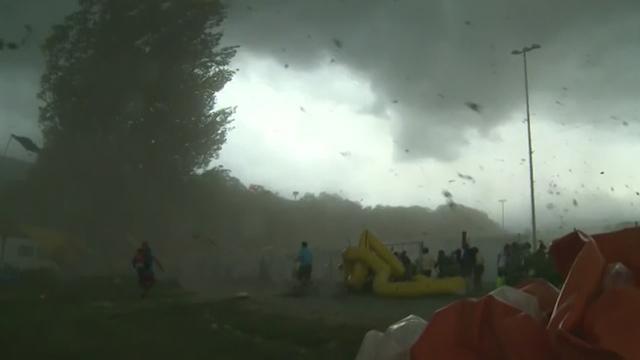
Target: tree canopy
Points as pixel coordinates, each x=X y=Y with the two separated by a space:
x=129 y=107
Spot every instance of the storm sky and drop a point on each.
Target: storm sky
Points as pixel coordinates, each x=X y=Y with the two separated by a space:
x=394 y=101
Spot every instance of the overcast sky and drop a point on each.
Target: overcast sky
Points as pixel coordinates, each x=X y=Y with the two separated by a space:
x=368 y=99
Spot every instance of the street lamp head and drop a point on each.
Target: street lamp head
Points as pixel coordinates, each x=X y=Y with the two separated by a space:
x=516 y=52
x=535 y=46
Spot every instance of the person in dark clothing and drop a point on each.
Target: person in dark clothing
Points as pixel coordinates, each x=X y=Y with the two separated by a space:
x=406 y=262
x=478 y=269
x=457 y=256
x=305 y=263
x=467 y=264
x=456 y=263
x=441 y=264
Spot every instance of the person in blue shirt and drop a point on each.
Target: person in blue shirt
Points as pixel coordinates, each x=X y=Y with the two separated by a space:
x=305 y=262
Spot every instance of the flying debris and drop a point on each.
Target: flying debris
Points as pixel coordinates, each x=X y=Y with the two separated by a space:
x=449 y=197
x=440 y=96
x=345 y=153
x=333 y=60
x=637 y=193
x=601 y=172
x=550 y=206
x=452 y=181
x=612 y=189
x=559 y=103
x=467 y=177
x=575 y=202
x=473 y=106
x=395 y=101
x=565 y=88
x=613 y=117
x=337 y=43
x=302 y=109
x=467 y=22
x=624 y=123
x=481 y=168
x=286 y=66
x=406 y=150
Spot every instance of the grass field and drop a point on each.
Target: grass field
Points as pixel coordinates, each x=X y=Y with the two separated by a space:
x=102 y=318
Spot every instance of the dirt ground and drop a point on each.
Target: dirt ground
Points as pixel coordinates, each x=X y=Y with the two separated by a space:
x=331 y=303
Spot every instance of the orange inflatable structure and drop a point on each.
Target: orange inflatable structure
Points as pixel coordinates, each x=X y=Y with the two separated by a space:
x=596 y=314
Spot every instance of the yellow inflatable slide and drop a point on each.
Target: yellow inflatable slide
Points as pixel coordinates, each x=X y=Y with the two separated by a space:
x=372 y=257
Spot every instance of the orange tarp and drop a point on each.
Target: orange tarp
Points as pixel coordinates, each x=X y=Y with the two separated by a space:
x=592 y=317
x=481 y=329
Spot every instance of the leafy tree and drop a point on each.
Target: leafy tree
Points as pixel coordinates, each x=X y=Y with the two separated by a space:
x=129 y=110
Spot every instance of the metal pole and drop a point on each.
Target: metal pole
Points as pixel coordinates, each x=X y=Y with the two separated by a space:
x=502 y=203
x=533 y=201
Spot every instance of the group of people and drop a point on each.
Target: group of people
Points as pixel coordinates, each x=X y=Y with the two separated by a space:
x=465 y=261
x=517 y=262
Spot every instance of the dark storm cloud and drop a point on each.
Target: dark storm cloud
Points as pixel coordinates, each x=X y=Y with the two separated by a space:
x=433 y=56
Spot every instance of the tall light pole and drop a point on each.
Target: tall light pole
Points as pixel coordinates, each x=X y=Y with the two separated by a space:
x=524 y=52
x=502 y=201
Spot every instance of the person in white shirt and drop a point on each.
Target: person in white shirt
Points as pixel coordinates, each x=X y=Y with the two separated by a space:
x=427 y=263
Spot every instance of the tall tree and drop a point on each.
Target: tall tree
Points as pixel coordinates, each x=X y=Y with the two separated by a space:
x=129 y=107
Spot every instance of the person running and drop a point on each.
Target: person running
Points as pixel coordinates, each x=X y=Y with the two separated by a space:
x=144 y=261
x=305 y=263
